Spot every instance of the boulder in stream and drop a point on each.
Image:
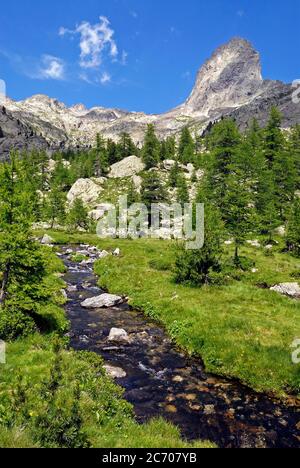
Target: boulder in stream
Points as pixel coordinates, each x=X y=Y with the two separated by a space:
x=118 y=335
x=102 y=301
x=115 y=372
x=47 y=240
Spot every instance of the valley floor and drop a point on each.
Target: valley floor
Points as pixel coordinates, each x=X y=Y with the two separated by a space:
x=241 y=330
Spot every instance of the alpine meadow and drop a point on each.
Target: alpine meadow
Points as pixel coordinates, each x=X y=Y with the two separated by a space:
x=149 y=262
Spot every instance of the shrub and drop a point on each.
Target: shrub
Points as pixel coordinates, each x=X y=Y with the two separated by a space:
x=14 y=325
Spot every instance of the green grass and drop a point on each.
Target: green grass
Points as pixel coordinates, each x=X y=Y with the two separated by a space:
x=107 y=420
x=240 y=330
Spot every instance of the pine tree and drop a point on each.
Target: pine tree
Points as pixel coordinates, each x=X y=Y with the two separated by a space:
x=198 y=267
x=266 y=203
x=186 y=149
x=293 y=229
x=126 y=147
x=152 y=190
x=294 y=148
x=224 y=144
x=78 y=215
x=21 y=260
x=238 y=210
x=273 y=137
x=174 y=174
x=101 y=162
x=151 y=148
x=55 y=206
x=182 y=190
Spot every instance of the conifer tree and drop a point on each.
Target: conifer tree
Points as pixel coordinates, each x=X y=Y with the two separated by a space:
x=55 y=206
x=152 y=190
x=78 y=215
x=273 y=137
x=182 y=190
x=151 y=148
x=238 y=210
x=198 y=267
x=21 y=259
x=186 y=149
x=101 y=162
x=293 y=229
x=174 y=174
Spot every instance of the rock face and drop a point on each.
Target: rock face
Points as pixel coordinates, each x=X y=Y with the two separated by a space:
x=229 y=79
x=47 y=240
x=288 y=289
x=230 y=83
x=88 y=190
x=103 y=301
x=17 y=135
x=129 y=167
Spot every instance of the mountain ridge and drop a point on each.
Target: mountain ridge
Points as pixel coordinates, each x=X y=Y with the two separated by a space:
x=229 y=83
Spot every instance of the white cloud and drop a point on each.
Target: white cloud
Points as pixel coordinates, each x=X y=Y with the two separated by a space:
x=95 y=40
x=134 y=14
x=240 y=13
x=105 y=78
x=52 y=68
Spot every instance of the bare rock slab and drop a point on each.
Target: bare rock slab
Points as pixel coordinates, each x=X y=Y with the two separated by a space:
x=102 y=301
x=288 y=289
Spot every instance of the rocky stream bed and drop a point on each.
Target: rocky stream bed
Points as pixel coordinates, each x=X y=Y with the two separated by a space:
x=159 y=380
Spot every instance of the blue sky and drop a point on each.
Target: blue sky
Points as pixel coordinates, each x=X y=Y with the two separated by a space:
x=138 y=55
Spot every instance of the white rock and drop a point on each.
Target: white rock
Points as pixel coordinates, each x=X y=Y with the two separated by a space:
x=168 y=164
x=137 y=182
x=103 y=254
x=190 y=168
x=102 y=301
x=280 y=231
x=228 y=242
x=100 y=210
x=118 y=335
x=117 y=252
x=88 y=190
x=64 y=294
x=115 y=372
x=254 y=243
x=47 y=240
x=128 y=167
x=269 y=247
x=288 y=289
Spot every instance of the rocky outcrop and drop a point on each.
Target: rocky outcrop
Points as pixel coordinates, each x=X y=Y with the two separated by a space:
x=128 y=167
x=103 y=301
x=288 y=289
x=17 y=135
x=114 y=372
x=88 y=190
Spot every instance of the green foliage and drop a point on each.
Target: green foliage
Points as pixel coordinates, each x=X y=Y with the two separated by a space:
x=182 y=190
x=186 y=148
x=197 y=267
x=15 y=324
x=78 y=216
x=151 y=148
x=293 y=229
x=152 y=189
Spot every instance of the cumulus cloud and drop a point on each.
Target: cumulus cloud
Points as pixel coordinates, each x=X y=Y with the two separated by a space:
x=52 y=68
x=95 y=41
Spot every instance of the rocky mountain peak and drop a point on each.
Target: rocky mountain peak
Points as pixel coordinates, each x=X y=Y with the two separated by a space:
x=230 y=78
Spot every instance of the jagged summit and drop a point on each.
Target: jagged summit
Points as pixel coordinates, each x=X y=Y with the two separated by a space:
x=230 y=78
x=229 y=83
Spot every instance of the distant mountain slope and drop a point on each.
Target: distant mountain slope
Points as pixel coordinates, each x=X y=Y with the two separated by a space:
x=229 y=83
x=17 y=135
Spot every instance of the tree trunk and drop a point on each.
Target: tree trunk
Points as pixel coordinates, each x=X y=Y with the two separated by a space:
x=236 y=255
